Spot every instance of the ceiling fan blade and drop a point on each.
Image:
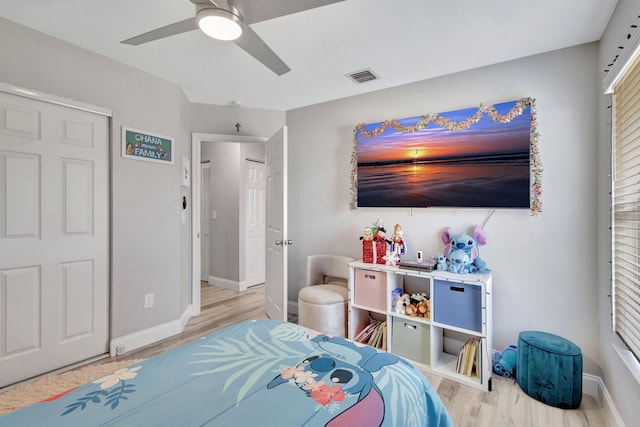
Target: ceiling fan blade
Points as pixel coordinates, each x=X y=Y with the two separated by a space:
x=251 y=43
x=189 y=24
x=259 y=10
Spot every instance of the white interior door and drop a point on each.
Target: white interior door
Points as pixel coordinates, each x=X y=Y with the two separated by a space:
x=256 y=174
x=54 y=245
x=205 y=217
x=276 y=240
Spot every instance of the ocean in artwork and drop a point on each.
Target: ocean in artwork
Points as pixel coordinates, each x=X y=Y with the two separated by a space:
x=486 y=165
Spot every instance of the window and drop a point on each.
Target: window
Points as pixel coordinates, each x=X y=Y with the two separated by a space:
x=626 y=208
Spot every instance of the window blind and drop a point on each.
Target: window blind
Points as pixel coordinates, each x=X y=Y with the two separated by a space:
x=626 y=208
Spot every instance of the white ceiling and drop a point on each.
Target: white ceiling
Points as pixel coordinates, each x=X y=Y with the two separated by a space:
x=402 y=41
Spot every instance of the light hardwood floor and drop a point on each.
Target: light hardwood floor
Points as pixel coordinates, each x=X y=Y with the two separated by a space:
x=506 y=405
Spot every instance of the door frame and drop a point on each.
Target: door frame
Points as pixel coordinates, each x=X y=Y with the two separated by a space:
x=197 y=138
x=205 y=166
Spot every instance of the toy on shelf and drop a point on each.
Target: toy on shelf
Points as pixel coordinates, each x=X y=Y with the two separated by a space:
x=391 y=258
x=459 y=262
x=462 y=251
x=374 y=244
x=441 y=262
x=401 y=303
x=414 y=305
x=411 y=310
x=367 y=235
x=397 y=240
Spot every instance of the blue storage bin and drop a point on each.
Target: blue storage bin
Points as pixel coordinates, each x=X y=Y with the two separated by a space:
x=457 y=304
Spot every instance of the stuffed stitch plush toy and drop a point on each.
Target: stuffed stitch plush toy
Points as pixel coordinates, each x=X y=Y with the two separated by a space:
x=441 y=262
x=468 y=244
x=463 y=241
x=459 y=261
x=505 y=363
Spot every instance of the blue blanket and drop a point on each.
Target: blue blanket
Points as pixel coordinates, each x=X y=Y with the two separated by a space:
x=254 y=373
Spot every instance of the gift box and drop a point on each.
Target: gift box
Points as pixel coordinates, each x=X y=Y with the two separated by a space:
x=374 y=251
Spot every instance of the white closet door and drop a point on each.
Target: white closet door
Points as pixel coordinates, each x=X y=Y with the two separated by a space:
x=255 y=222
x=54 y=222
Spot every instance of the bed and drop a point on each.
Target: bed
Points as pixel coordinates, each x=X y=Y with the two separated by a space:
x=254 y=373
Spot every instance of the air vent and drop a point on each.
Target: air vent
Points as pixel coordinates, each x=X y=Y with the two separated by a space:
x=362 y=76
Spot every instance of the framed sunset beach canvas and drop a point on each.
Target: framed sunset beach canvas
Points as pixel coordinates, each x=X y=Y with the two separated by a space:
x=475 y=157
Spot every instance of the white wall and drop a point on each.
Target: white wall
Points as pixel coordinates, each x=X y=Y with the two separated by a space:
x=544 y=268
x=148 y=243
x=623 y=387
x=219 y=119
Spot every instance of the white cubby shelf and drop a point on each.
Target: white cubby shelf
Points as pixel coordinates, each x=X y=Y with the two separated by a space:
x=460 y=308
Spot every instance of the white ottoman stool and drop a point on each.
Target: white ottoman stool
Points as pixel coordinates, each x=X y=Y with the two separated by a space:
x=323 y=308
x=322 y=302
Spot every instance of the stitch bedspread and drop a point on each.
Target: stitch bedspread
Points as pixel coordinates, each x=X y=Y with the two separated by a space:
x=254 y=373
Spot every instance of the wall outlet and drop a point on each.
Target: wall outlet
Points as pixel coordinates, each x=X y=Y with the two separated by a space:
x=148 y=300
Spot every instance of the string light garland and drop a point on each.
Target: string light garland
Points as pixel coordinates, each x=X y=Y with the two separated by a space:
x=424 y=121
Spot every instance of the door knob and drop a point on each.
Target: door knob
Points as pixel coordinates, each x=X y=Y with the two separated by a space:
x=284 y=242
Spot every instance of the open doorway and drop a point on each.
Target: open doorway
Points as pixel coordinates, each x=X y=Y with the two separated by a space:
x=228 y=253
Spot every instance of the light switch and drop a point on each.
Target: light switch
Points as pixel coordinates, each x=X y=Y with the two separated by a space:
x=213 y=214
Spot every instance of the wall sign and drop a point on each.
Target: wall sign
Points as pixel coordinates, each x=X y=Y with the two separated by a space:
x=142 y=145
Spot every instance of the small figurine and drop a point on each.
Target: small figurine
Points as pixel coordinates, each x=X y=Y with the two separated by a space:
x=367 y=235
x=397 y=240
x=441 y=262
x=391 y=258
x=375 y=244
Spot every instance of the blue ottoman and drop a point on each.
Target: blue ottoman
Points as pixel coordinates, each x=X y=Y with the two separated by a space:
x=550 y=369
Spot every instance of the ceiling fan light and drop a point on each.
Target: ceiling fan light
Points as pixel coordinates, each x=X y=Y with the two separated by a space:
x=219 y=24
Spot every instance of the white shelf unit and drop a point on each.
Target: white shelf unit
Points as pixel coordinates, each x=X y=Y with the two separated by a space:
x=460 y=307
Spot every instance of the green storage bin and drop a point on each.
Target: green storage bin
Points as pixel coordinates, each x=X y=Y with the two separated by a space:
x=410 y=339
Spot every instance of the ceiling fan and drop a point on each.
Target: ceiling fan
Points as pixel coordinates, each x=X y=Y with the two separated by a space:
x=230 y=20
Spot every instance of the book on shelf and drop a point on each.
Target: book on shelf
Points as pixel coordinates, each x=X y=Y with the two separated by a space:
x=374 y=334
x=459 y=359
x=381 y=339
x=384 y=336
x=478 y=364
x=364 y=335
x=472 y=357
x=468 y=362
